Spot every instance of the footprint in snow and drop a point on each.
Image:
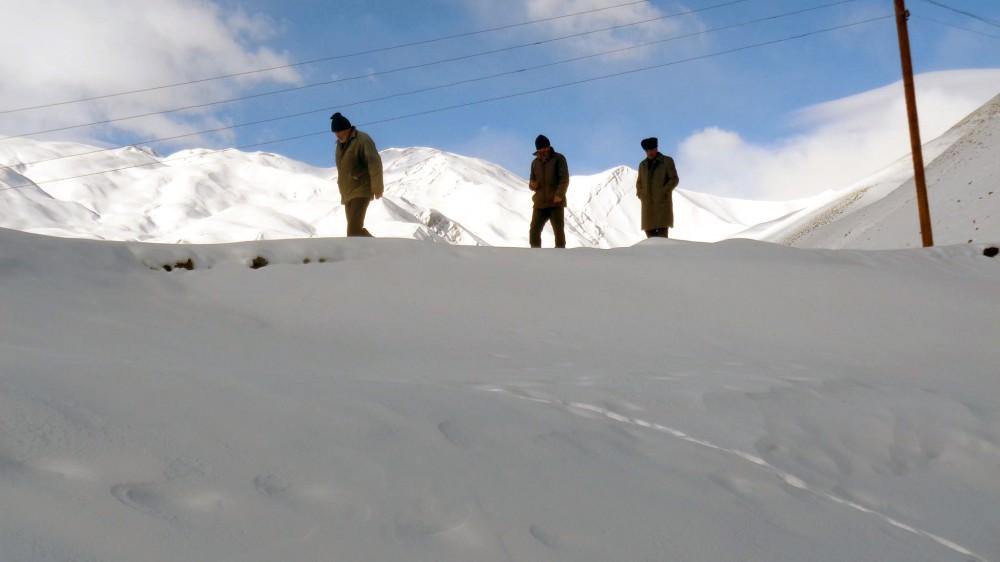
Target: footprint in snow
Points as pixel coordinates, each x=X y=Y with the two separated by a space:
x=169 y=500
x=329 y=499
x=541 y=535
x=455 y=434
x=428 y=516
x=53 y=468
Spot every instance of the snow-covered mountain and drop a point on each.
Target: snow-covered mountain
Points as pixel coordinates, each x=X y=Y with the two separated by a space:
x=880 y=212
x=202 y=196
x=395 y=400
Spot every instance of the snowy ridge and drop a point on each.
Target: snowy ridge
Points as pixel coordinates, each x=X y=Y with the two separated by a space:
x=880 y=212
x=201 y=196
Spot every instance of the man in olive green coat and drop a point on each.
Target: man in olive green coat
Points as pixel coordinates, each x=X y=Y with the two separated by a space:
x=359 y=173
x=655 y=188
x=549 y=180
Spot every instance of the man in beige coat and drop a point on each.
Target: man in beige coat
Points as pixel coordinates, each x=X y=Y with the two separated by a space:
x=359 y=173
x=655 y=187
x=549 y=181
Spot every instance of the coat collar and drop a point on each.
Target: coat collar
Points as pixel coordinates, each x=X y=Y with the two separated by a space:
x=352 y=136
x=658 y=158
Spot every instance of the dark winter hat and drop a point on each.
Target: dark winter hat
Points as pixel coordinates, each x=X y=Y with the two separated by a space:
x=339 y=123
x=542 y=141
x=650 y=143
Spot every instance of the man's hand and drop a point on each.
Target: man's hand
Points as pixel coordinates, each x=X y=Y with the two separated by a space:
x=378 y=195
x=557 y=199
x=533 y=185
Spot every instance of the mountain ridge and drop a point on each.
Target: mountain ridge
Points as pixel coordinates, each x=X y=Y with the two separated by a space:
x=213 y=196
x=200 y=195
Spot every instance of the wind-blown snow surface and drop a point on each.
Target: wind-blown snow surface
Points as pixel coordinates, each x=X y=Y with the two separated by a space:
x=412 y=401
x=202 y=196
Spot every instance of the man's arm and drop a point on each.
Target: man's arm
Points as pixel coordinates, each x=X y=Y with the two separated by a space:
x=374 y=168
x=532 y=180
x=672 y=178
x=563 y=179
x=638 y=182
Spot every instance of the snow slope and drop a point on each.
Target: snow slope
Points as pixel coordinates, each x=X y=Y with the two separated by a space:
x=200 y=196
x=400 y=400
x=963 y=184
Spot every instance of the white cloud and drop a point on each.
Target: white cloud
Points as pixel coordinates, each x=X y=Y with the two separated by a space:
x=69 y=50
x=524 y=10
x=838 y=143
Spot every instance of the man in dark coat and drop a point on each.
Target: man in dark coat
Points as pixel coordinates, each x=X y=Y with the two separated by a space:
x=359 y=173
x=655 y=187
x=549 y=180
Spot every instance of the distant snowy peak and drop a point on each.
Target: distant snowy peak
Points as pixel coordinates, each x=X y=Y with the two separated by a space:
x=206 y=196
x=202 y=195
x=268 y=160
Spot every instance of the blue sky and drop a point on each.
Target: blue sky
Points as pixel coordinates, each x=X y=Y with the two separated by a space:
x=754 y=94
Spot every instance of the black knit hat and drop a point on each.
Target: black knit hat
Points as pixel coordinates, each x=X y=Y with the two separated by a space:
x=339 y=123
x=542 y=141
x=650 y=143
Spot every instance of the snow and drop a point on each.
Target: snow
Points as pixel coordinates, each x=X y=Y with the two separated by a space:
x=200 y=196
x=404 y=400
x=881 y=212
x=203 y=196
x=195 y=368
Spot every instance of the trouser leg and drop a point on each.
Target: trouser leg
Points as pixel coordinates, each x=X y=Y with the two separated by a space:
x=355 y=210
x=559 y=226
x=538 y=219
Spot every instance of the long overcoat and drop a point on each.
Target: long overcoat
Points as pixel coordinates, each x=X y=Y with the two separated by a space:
x=359 y=168
x=655 y=187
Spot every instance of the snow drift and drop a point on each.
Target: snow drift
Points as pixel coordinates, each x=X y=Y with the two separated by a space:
x=400 y=400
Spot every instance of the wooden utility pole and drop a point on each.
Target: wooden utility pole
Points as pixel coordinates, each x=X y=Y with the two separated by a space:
x=902 y=14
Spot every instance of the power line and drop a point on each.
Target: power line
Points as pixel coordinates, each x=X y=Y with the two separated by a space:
x=329 y=58
x=977 y=17
x=432 y=88
x=388 y=71
x=485 y=100
x=946 y=24
x=440 y=86
x=627 y=72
